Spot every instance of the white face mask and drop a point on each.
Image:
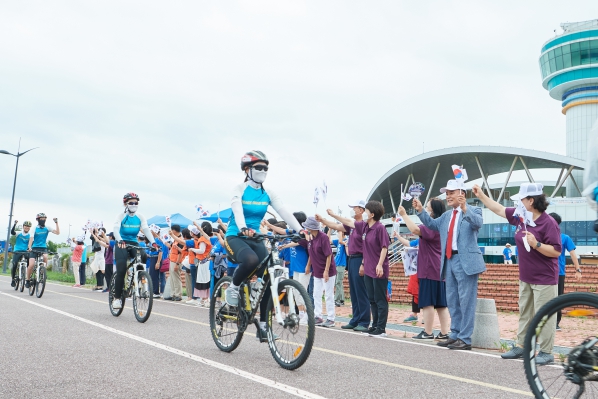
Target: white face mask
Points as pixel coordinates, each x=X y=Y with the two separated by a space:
x=258 y=176
x=365 y=216
x=352 y=213
x=132 y=208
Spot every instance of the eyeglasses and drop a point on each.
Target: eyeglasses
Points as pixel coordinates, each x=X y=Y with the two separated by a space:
x=132 y=203
x=261 y=167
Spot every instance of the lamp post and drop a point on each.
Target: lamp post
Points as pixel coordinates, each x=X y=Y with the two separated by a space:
x=12 y=202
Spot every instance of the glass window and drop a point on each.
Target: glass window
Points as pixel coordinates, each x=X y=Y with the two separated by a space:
x=566 y=60
x=574 y=47
x=585 y=57
x=552 y=66
x=566 y=49
x=594 y=44
x=551 y=54
x=575 y=58
x=584 y=45
x=558 y=51
x=559 y=62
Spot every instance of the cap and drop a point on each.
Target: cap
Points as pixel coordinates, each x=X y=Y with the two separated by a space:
x=528 y=190
x=452 y=185
x=359 y=203
x=311 y=223
x=194 y=230
x=508 y=245
x=140 y=235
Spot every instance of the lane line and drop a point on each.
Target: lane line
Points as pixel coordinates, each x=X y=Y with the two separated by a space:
x=363 y=358
x=233 y=370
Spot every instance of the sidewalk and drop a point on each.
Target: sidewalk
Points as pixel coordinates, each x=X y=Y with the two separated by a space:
x=574 y=330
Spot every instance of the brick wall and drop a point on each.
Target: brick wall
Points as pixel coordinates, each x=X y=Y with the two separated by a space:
x=499 y=282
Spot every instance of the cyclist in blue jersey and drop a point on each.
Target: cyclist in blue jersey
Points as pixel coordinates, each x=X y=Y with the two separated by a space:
x=249 y=205
x=20 y=249
x=128 y=224
x=38 y=242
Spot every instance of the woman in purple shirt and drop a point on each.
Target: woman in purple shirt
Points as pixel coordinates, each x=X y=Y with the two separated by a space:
x=375 y=262
x=432 y=291
x=538 y=246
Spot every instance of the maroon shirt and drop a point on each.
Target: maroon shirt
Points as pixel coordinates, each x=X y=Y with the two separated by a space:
x=319 y=249
x=428 y=257
x=374 y=239
x=535 y=268
x=355 y=238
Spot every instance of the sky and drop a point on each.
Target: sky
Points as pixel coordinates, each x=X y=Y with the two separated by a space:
x=163 y=98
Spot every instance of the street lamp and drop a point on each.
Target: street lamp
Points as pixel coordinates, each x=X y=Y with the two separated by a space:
x=12 y=203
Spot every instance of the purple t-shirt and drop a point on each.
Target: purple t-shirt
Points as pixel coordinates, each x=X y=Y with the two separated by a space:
x=428 y=257
x=355 y=238
x=374 y=239
x=535 y=268
x=319 y=249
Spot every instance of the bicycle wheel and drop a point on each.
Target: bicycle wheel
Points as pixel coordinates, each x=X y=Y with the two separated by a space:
x=225 y=320
x=41 y=284
x=32 y=283
x=291 y=342
x=22 y=278
x=142 y=303
x=115 y=312
x=575 y=375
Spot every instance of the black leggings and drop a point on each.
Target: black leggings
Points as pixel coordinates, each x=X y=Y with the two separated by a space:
x=122 y=255
x=16 y=257
x=108 y=276
x=248 y=255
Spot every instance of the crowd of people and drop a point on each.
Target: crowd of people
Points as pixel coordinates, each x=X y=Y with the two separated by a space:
x=448 y=269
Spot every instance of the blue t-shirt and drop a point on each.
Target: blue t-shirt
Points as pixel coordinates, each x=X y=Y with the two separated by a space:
x=129 y=228
x=21 y=243
x=567 y=246
x=341 y=255
x=163 y=247
x=255 y=203
x=219 y=249
x=40 y=237
x=84 y=255
x=507 y=253
x=299 y=258
x=414 y=243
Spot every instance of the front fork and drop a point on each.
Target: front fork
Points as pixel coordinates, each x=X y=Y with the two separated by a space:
x=136 y=286
x=274 y=270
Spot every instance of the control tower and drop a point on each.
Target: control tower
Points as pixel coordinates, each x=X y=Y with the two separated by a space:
x=569 y=66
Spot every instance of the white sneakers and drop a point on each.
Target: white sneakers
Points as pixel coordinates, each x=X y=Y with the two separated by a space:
x=117 y=304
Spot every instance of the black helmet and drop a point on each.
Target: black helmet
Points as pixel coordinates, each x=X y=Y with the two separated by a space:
x=129 y=196
x=252 y=157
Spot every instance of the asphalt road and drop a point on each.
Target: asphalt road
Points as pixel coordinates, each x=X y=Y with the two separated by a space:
x=68 y=345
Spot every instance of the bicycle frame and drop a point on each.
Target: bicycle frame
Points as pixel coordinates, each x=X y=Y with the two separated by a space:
x=39 y=262
x=138 y=267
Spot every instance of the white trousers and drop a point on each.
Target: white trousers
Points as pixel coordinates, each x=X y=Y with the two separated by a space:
x=303 y=279
x=328 y=288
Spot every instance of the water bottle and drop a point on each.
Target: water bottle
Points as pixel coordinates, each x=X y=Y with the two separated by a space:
x=128 y=277
x=255 y=288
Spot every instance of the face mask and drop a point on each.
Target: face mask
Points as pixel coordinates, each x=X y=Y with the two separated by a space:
x=42 y=223
x=352 y=213
x=258 y=176
x=365 y=216
x=132 y=208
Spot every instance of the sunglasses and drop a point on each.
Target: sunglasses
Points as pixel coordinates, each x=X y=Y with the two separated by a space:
x=261 y=167
x=132 y=203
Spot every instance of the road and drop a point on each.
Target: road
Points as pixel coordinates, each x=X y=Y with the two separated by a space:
x=68 y=345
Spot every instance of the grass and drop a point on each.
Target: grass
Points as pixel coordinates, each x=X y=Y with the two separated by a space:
x=504 y=347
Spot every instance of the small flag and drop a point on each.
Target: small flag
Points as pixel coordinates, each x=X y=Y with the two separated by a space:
x=316 y=196
x=201 y=211
x=460 y=173
x=167 y=220
x=324 y=190
x=524 y=216
x=406 y=197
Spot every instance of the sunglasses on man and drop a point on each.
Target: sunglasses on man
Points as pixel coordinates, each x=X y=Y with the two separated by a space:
x=132 y=203
x=261 y=167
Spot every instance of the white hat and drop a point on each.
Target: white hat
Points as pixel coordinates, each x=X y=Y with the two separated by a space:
x=155 y=228
x=452 y=185
x=194 y=230
x=81 y=239
x=140 y=235
x=528 y=190
x=359 y=203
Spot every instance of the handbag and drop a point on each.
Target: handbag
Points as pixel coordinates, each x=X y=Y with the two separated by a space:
x=165 y=265
x=96 y=247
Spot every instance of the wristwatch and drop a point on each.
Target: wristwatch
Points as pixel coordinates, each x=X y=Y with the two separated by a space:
x=578 y=270
x=538 y=244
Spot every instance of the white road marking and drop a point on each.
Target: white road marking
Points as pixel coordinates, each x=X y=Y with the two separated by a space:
x=233 y=370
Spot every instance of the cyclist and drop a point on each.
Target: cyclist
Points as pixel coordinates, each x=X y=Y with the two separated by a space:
x=249 y=205
x=38 y=242
x=128 y=224
x=20 y=249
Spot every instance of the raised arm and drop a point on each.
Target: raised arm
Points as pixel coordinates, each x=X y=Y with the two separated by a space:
x=331 y=224
x=12 y=231
x=408 y=222
x=488 y=203
x=430 y=223
x=57 y=229
x=474 y=217
x=346 y=221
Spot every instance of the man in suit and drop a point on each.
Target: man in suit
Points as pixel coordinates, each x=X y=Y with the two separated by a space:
x=461 y=261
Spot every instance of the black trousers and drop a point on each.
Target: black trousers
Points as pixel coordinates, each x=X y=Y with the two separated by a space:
x=16 y=257
x=82 y=278
x=248 y=255
x=154 y=274
x=376 y=289
x=109 y=276
x=121 y=256
x=100 y=278
x=559 y=314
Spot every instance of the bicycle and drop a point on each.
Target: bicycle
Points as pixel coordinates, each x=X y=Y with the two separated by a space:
x=37 y=281
x=138 y=284
x=21 y=272
x=579 y=366
x=290 y=339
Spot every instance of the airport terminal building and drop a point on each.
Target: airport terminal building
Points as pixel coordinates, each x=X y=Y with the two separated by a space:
x=569 y=71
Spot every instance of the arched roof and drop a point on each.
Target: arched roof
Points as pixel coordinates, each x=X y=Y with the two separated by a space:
x=492 y=159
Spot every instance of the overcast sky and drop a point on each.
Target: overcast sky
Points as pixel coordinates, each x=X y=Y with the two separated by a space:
x=163 y=98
